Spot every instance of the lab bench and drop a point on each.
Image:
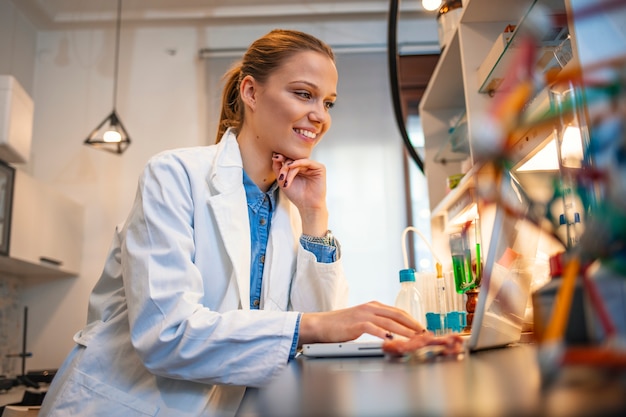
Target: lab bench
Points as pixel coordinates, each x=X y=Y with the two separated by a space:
x=497 y=382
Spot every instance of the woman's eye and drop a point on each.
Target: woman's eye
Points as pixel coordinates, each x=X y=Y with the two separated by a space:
x=329 y=105
x=304 y=94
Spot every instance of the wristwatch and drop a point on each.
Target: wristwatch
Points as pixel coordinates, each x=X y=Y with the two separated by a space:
x=328 y=239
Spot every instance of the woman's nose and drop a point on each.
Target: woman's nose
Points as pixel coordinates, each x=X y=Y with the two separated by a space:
x=319 y=114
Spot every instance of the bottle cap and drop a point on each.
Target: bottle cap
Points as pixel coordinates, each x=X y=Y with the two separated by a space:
x=407 y=275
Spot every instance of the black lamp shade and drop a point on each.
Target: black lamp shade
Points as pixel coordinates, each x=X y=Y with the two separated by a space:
x=110 y=135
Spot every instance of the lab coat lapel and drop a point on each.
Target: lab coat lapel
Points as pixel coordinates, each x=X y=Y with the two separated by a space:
x=283 y=238
x=229 y=204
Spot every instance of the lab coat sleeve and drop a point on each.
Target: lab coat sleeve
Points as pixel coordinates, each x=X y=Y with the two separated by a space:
x=315 y=286
x=318 y=286
x=174 y=333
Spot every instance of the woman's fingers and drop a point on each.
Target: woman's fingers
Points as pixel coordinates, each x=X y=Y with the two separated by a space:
x=373 y=318
x=290 y=175
x=450 y=344
x=394 y=320
x=287 y=169
x=283 y=170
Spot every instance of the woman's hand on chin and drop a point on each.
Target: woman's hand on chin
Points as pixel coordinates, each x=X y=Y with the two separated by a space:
x=304 y=182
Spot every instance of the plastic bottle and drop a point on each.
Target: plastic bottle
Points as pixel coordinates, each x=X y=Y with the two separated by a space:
x=409 y=298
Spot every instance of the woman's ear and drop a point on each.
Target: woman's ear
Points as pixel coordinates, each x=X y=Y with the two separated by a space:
x=248 y=90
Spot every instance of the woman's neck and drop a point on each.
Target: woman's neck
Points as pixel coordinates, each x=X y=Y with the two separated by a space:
x=257 y=165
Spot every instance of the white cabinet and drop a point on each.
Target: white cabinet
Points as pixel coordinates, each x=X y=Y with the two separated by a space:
x=16 y=120
x=454 y=89
x=457 y=93
x=46 y=235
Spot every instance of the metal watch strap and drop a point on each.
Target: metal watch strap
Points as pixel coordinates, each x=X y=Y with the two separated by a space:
x=328 y=239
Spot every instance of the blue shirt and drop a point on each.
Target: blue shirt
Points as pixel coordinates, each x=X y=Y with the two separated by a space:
x=260 y=209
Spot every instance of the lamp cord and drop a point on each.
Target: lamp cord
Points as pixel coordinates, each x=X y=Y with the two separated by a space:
x=117 y=51
x=392 y=63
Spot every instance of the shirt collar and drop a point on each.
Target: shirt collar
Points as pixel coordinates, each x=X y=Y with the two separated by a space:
x=255 y=196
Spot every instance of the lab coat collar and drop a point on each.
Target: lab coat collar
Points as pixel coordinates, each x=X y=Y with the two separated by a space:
x=226 y=173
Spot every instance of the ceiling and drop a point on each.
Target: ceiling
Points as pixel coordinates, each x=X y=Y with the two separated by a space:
x=50 y=14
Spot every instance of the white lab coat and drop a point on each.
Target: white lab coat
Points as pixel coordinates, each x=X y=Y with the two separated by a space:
x=177 y=284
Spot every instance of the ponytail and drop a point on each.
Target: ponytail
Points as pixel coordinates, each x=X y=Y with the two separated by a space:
x=231 y=114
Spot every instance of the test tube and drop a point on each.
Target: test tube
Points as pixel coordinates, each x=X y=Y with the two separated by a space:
x=442 y=307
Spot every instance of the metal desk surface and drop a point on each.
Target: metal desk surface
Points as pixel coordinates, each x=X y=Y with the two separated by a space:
x=498 y=382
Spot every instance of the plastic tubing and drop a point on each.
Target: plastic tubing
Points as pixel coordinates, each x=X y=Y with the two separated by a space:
x=404 y=252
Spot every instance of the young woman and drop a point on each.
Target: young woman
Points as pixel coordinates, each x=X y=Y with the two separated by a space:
x=225 y=264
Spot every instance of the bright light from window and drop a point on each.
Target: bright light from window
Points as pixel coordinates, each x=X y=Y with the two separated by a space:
x=547 y=159
x=572 y=147
x=467 y=215
x=420 y=206
x=544 y=160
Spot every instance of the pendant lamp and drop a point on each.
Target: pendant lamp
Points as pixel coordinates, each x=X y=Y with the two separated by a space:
x=110 y=135
x=431 y=5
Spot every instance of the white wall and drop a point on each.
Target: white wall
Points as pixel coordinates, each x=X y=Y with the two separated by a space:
x=18 y=43
x=166 y=99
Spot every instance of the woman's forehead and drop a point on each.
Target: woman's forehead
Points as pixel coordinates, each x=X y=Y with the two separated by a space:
x=308 y=66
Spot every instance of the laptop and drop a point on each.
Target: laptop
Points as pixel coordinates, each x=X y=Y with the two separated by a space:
x=354 y=348
x=505 y=286
x=507 y=276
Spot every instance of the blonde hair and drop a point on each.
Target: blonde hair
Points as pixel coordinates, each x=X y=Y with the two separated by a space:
x=263 y=57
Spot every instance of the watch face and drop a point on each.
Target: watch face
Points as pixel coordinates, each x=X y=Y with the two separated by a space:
x=328 y=239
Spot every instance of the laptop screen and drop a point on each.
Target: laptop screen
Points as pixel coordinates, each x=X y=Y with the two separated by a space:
x=507 y=275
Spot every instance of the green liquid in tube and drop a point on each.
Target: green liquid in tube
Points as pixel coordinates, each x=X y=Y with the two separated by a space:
x=458 y=268
x=479 y=267
x=469 y=276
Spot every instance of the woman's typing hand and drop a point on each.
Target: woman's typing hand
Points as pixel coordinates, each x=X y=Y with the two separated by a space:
x=374 y=318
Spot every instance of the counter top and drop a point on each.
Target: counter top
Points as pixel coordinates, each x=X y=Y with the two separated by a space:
x=12 y=396
x=497 y=382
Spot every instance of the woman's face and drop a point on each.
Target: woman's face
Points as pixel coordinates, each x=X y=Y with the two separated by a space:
x=289 y=113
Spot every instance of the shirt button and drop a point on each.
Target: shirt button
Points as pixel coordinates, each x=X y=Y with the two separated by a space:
x=256 y=303
x=262 y=221
x=262 y=259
